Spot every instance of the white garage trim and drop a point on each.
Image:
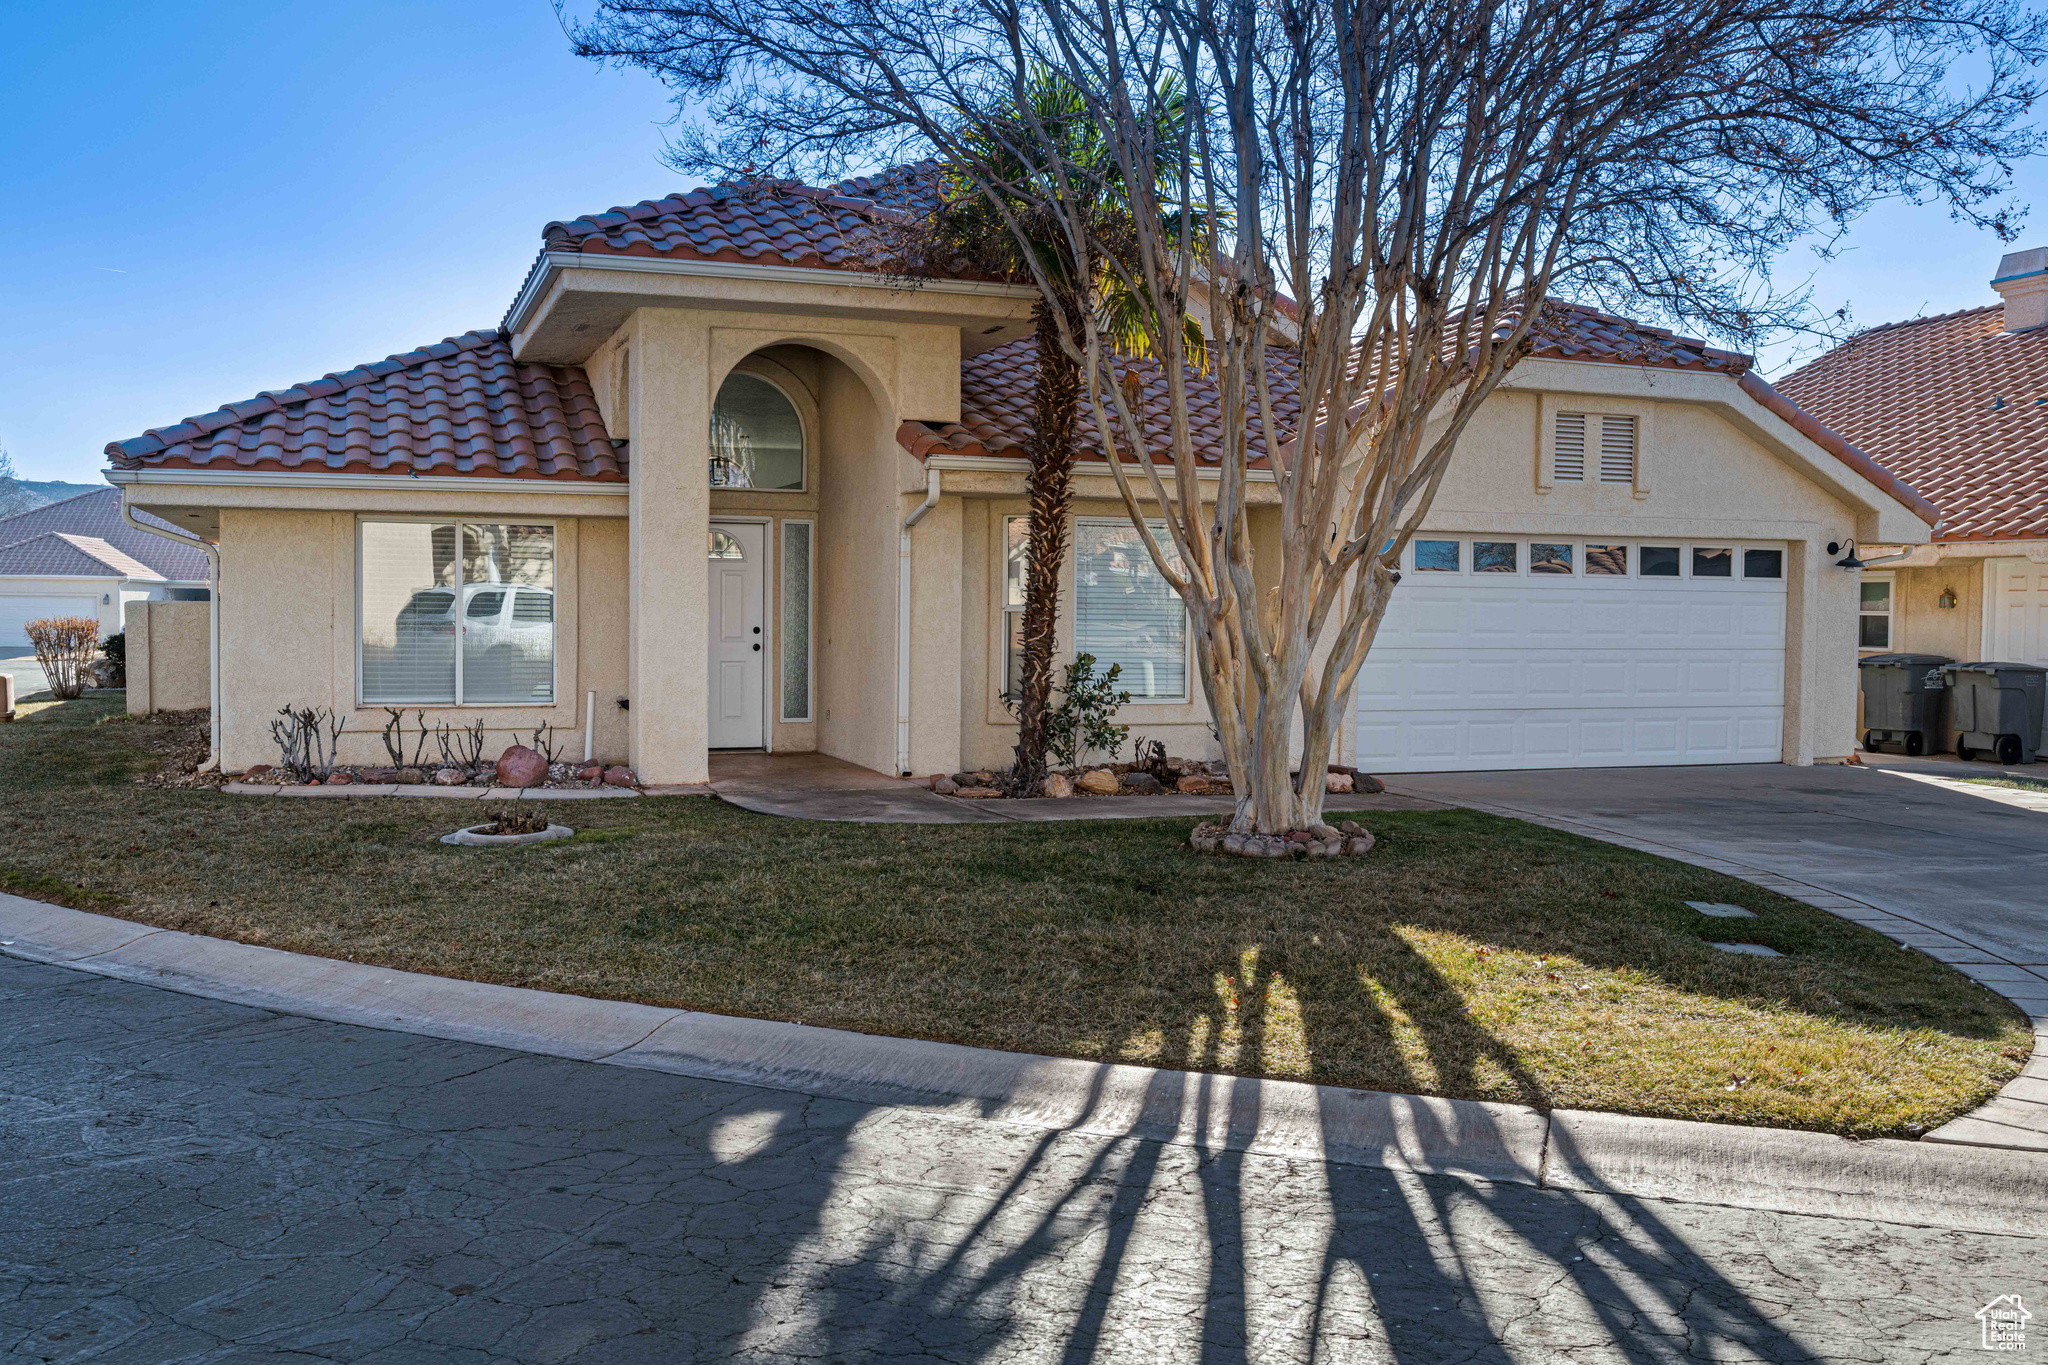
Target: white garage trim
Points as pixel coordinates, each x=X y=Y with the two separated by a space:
x=1570 y=668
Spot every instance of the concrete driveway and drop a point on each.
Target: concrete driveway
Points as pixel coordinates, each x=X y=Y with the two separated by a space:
x=1903 y=835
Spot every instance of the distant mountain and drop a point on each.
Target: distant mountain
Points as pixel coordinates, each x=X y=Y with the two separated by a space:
x=24 y=495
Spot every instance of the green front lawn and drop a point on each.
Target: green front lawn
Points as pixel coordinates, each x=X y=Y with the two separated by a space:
x=1468 y=955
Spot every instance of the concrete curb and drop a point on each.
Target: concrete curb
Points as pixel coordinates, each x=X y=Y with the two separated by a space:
x=1977 y=1190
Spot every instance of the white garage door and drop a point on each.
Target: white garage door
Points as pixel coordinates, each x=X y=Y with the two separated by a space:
x=17 y=612
x=2018 y=598
x=1523 y=653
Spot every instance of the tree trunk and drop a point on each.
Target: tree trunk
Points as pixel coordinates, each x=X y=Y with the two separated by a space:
x=1056 y=398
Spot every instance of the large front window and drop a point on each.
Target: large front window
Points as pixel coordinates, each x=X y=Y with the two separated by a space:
x=1125 y=612
x=456 y=613
x=757 y=439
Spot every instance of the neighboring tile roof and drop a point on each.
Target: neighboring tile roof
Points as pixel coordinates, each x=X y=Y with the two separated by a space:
x=1954 y=404
x=98 y=515
x=57 y=555
x=770 y=222
x=996 y=395
x=460 y=406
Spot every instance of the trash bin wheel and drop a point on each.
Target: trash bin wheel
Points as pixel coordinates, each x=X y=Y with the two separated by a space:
x=1915 y=745
x=2008 y=749
x=1963 y=750
x=1870 y=741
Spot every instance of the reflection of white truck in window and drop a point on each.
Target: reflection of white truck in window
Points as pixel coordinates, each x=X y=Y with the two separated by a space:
x=505 y=627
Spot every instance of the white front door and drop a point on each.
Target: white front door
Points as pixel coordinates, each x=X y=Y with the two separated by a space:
x=2016 y=599
x=1552 y=652
x=738 y=556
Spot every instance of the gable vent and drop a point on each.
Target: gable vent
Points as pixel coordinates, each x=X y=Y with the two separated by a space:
x=1617 y=448
x=1568 y=450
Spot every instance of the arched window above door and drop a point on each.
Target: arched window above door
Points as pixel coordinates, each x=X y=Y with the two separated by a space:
x=757 y=437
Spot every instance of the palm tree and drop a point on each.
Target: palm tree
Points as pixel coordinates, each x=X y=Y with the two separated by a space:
x=1054 y=156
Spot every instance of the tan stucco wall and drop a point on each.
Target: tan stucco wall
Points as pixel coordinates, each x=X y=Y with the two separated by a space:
x=1922 y=625
x=856 y=577
x=287 y=628
x=168 y=656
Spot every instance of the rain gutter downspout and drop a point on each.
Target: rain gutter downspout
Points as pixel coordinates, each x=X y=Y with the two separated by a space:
x=212 y=553
x=931 y=500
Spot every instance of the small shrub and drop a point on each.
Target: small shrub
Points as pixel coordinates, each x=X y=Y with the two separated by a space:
x=113 y=667
x=1081 y=721
x=65 y=646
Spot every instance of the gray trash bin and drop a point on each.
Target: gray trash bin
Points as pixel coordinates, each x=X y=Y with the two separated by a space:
x=1996 y=709
x=1903 y=696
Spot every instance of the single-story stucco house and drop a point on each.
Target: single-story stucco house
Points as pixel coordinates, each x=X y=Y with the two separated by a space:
x=1958 y=405
x=712 y=485
x=79 y=557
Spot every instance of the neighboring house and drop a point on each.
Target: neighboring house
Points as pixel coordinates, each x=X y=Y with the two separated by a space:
x=1957 y=405
x=714 y=485
x=80 y=558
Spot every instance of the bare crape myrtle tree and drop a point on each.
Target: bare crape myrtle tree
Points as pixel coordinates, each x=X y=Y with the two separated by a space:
x=1396 y=190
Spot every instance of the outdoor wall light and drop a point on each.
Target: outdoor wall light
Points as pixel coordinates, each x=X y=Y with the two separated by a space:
x=1847 y=561
x=1947 y=598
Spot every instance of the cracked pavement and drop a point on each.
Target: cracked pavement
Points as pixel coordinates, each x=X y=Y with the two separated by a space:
x=184 y=1180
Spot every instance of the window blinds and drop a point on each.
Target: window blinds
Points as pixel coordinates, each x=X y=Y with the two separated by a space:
x=433 y=589
x=1124 y=612
x=1568 y=457
x=1617 y=448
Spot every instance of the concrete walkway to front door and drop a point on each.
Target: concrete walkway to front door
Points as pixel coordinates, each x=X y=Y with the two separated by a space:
x=1959 y=872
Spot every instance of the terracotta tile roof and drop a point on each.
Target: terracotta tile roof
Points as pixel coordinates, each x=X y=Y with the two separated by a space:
x=57 y=554
x=1955 y=405
x=996 y=410
x=460 y=406
x=98 y=515
x=775 y=222
x=996 y=400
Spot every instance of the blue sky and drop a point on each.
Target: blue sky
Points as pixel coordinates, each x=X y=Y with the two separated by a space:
x=205 y=201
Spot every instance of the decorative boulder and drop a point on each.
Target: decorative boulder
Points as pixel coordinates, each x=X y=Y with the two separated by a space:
x=620 y=776
x=1097 y=782
x=590 y=772
x=338 y=778
x=1142 y=784
x=1336 y=784
x=450 y=777
x=945 y=786
x=257 y=773
x=1192 y=786
x=1057 y=785
x=980 y=793
x=520 y=766
x=1366 y=782
x=411 y=776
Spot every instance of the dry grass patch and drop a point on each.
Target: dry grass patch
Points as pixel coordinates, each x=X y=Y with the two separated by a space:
x=1468 y=955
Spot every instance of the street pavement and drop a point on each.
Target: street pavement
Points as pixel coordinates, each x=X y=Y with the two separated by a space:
x=187 y=1180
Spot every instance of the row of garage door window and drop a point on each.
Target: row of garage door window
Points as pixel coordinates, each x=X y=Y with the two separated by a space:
x=1562 y=557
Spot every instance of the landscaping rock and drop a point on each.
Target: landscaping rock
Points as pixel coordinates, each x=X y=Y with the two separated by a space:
x=410 y=776
x=339 y=778
x=1234 y=843
x=590 y=772
x=620 y=776
x=1143 y=784
x=980 y=793
x=1350 y=827
x=379 y=775
x=1366 y=782
x=1218 y=768
x=259 y=773
x=1358 y=845
x=1192 y=786
x=1057 y=785
x=1337 y=784
x=945 y=786
x=450 y=777
x=1325 y=833
x=964 y=780
x=558 y=772
x=1097 y=782
x=520 y=766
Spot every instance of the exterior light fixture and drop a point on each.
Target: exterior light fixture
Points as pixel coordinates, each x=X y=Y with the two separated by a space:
x=1947 y=598
x=1848 y=560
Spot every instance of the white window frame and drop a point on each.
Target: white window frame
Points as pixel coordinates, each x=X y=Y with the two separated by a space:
x=1004 y=611
x=803 y=428
x=458 y=522
x=810 y=623
x=1524 y=560
x=1890 y=612
x=1187 y=633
